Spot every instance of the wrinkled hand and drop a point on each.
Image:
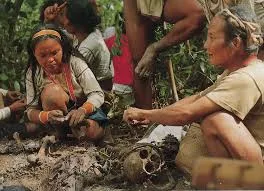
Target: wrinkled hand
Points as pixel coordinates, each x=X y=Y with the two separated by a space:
x=56 y=117
x=51 y=12
x=13 y=95
x=76 y=117
x=144 y=66
x=134 y=116
x=18 y=105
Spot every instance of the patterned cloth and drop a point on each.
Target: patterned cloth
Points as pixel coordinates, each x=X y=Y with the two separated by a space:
x=253 y=30
x=211 y=7
x=259 y=10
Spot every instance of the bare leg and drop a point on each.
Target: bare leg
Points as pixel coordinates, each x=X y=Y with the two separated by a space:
x=53 y=97
x=225 y=136
x=139 y=31
x=94 y=131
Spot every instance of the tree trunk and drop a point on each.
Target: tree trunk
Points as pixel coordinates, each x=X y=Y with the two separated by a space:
x=17 y=7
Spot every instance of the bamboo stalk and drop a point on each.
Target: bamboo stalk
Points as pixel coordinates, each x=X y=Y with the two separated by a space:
x=171 y=74
x=172 y=80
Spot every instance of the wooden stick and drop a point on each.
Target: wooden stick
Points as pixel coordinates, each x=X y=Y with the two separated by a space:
x=172 y=80
x=171 y=74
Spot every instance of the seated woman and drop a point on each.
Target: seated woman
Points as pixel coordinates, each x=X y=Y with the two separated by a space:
x=232 y=109
x=60 y=87
x=80 y=19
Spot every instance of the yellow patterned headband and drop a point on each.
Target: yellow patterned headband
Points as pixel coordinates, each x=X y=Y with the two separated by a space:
x=46 y=32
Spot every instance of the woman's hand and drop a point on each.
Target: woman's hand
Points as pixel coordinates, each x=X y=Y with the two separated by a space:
x=135 y=116
x=56 y=117
x=51 y=12
x=76 y=117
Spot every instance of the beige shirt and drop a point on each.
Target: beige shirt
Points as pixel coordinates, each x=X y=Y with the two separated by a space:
x=96 y=55
x=151 y=8
x=242 y=93
x=84 y=84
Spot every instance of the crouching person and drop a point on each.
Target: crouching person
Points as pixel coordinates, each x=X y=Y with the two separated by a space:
x=232 y=109
x=62 y=92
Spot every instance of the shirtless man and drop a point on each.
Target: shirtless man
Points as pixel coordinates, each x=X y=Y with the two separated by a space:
x=140 y=19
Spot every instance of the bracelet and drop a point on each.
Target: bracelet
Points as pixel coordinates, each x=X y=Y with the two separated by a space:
x=88 y=107
x=44 y=117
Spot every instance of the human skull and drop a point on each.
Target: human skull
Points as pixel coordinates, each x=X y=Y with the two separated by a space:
x=142 y=162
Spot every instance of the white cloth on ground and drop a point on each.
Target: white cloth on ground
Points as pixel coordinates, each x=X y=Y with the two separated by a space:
x=160 y=132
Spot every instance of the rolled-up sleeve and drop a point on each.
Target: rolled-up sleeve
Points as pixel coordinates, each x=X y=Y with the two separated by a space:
x=5 y=113
x=4 y=92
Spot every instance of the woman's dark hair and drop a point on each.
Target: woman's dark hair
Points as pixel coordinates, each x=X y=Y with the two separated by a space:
x=83 y=15
x=46 y=4
x=232 y=31
x=32 y=42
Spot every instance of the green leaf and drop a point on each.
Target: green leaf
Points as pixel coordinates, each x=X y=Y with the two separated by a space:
x=3 y=77
x=23 y=14
x=202 y=66
x=16 y=86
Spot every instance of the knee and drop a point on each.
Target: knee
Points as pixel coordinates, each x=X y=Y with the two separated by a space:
x=213 y=124
x=54 y=97
x=94 y=131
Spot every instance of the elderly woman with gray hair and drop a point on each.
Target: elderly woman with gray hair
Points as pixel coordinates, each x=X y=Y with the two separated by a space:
x=232 y=109
x=212 y=7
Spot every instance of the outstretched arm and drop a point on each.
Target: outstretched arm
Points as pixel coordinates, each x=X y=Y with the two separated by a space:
x=188 y=19
x=177 y=115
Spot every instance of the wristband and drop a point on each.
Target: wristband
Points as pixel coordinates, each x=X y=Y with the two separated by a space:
x=44 y=117
x=88 y=107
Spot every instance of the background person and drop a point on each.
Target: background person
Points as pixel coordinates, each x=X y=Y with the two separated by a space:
x=80 y=19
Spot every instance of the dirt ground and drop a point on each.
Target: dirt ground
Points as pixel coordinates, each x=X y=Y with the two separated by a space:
x=71 y=166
